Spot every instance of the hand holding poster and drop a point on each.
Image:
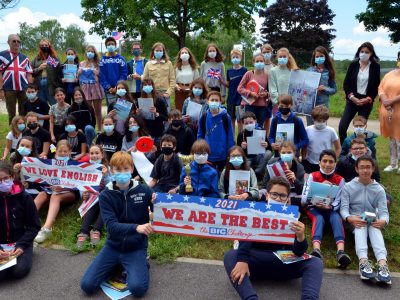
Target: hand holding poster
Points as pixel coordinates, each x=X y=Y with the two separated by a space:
x=239 y=182
x=144 y=105
x=224 y=219
x=303 y=88
x=69 y=72
x=194 y=110
x=71 y=174
x=122 y=108
x=284 y=133
x=254 y=145
x=322 y=192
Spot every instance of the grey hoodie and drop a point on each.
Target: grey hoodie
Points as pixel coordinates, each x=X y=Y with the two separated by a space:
x=357 y=198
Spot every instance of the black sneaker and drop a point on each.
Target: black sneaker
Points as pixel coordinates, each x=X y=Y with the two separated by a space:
x=342 y=259
x=317 y=253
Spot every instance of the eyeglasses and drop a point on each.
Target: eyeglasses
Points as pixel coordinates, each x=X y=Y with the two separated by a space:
x=4 y=179
x=234 y=156
x=275 y=196
x=358 y=149
x=16 y=41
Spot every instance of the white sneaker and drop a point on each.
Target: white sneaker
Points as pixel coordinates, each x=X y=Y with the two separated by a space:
x=43 y=234
x=390 y=168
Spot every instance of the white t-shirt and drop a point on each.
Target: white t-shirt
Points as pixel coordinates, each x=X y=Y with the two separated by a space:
x=14 y=139
x=319 y=140
x=362 y=80
x=186 y=75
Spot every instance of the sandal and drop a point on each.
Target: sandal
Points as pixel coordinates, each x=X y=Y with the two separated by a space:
x=82 y=237
x=94 y=237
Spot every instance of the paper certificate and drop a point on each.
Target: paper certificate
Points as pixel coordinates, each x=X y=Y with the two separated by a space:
x=284 y=133
x=194 y=111
x=145 y=104
x=70 y=72
x=254 y=145
x=123 y=109
x=239 y=182
x=303 y=88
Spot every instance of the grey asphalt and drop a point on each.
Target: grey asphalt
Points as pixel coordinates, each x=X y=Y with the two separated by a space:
x=56 y=275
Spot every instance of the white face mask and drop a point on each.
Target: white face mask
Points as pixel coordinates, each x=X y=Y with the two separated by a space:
x=323 y=172
x=250 y=127
x=364 y=56
x=185 y=56
x=320 y=125
x=212 y=54
x=272 y=201
x=201 y=159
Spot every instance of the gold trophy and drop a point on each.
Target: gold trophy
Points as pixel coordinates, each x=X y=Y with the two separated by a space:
x=186 y=160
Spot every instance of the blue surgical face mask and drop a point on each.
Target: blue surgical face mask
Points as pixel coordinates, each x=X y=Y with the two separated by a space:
x=359 y=130
x=236 y=60
x=320 y=60
x=259 y=65
x=267 y=55
x=283 y=61
x=236 y=161
x=111 y=48
x=31 y=96
x=95 y=161
x=134 y=128
x=121 y=92
x=197 y=92
x=70 y=57
x=108 y=128
x=24 y=151
x=90 y=55
x=70 y=128
x=122 y=178
x=147 y=89
x=63 y=158
x=158 y=54
x=287 y=157
x=213 y=105
x=6 y=185
x=21 y=127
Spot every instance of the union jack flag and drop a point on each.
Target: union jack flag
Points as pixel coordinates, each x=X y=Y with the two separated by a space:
x=14 y=76
x=52 y=61
x=214 y=73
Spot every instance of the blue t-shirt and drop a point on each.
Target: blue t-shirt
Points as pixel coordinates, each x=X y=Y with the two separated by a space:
x=139 y=70
x=234 y=76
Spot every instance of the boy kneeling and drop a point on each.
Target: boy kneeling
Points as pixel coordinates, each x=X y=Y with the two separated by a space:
x=124 y=208
x=259 y=261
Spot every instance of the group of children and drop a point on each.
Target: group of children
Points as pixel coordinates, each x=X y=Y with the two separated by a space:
x=124 y=201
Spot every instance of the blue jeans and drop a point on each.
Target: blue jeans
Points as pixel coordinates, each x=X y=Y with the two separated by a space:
x=90 y=133
x=319 y=218
x=44 y=94
x=134 y=263
x=263 y=264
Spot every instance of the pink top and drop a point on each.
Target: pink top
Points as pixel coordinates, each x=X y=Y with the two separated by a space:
x=262 y=80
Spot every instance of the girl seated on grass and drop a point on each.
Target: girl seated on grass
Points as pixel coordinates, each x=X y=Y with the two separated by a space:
x=14 y=135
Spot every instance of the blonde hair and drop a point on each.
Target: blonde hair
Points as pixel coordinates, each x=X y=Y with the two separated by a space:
x=236 y=52
x=121 y=159
x=267 y=46
x=292 y=65
x=14 y=125
x=64 y=143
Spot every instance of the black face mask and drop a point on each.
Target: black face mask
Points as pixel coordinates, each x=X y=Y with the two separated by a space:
x=33 y=126
x=45 y=49
x=167 y=150
x=177 y=123
x=284 y=110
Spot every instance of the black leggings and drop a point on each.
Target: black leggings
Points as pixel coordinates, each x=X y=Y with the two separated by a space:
x=93 y=216
x=22 y=268
x=349 y=112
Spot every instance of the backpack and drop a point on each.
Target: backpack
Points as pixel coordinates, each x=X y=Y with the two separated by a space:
x=202 y=123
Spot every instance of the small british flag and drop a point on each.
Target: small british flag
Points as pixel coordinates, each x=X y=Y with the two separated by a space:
x=214 y=73
x=52 y=61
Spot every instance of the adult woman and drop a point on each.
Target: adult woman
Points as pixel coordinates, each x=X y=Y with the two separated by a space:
x=161 y=71
x=267 y=52
x=360 y=86
x=258 y=103
x=88 y=74
x=278 y=81
x=389 y=115
x=212 y=69
x=186 y=71
x=47 y=71
x=322 y=63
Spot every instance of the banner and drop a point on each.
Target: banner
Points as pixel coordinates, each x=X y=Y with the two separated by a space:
x=224 y=218
x=142 y=165
x=72 y=174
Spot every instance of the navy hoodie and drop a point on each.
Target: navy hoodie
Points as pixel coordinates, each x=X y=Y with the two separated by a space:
x=122 y=212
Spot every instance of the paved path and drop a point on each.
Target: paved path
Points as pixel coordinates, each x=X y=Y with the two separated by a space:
x=56 y=275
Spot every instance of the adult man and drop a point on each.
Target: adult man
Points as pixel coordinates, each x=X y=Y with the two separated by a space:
x=15 y=74
x=112 y=69
x=135 y=70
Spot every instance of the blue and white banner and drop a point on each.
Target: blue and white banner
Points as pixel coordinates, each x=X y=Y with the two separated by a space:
x=224 y=218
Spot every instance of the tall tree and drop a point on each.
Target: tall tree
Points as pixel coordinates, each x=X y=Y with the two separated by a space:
x=299 y=25
x=176 y=18
x=74 y=37
x=382 y=13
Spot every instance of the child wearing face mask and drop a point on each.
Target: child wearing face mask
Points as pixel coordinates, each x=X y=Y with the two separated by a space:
x=37 y=105
x=75 y=138
x=84 y=115
x=57 y=113
x=320 y=137
x=256 y=161
x=321 y=213
x=182 y=133
x=215 y=127
x=20 y=224
x=198 y=95
x=237 y=161
x=212 y=69
x=267 y=52
x=286 y=116
x=167 y=168
x=93 y=217
x=124 y=206
x=360 y=131
x=17 y=126
x=40 y=135
x=134 y=129
x=110 y=140
x=55 y=195
x=70 y=80
x=203 y=178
